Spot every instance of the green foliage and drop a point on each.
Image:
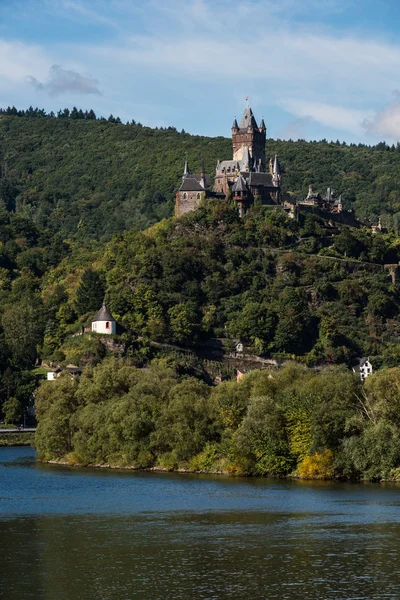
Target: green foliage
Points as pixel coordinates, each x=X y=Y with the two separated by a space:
x=12 y=411
x=90 y=293
x=316 y=424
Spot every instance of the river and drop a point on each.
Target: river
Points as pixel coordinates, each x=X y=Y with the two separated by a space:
x=87 y=534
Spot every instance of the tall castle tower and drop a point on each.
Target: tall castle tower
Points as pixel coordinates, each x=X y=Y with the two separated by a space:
x=248 y=136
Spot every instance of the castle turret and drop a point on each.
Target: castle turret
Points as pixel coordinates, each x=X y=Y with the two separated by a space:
x=240 y=194
x=276 y=172
x=203 y=175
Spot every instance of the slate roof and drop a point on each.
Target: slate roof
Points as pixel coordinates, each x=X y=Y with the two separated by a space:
x=248 y=119
x=246 y=159
x=260 y=179
x=240 y=185
x=191 y=183
x=277 y=167
x=103 y=314
x=232 y=164
x=361 y=364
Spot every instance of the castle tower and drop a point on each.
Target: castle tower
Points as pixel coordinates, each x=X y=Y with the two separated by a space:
x=248 y=136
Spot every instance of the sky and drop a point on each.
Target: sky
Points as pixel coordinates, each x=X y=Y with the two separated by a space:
x=312 y=69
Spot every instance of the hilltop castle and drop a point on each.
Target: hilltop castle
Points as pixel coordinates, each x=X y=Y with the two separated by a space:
x=244 y=178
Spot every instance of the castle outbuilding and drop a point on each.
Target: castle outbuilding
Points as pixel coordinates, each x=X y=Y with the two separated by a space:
x=244 y=178
x=193 y=190
x=103 y=322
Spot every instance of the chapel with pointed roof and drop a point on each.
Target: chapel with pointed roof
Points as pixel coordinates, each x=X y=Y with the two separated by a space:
x=244 y=178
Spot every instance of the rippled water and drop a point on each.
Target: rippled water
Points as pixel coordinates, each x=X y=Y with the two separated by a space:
x=69 y=534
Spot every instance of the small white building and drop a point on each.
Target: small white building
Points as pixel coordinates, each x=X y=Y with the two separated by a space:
x=363 y=369
x=239 y=346
x=103 y=322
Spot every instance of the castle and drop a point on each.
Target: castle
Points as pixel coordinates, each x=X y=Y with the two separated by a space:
x=244 y=178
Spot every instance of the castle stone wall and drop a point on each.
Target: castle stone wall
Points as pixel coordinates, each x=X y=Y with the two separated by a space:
x=187 y=201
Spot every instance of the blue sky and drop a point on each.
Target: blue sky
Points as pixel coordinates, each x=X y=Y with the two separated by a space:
x=312 y=68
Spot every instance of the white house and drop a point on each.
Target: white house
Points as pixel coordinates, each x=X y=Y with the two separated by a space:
x=363 y=369
x=103 y=322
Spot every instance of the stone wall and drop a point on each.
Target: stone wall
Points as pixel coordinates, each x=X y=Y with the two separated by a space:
x=187 y=201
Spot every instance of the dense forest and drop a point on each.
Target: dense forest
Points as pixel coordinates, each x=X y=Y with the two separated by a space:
x=85 y=213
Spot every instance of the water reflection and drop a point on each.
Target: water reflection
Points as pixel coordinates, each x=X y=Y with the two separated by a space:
x=68 y=534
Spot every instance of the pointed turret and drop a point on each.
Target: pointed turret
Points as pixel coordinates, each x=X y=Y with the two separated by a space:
x=276 y=172
x=262 y=126
x=235 y=125
x=277 y=167
x=203 y=175
x=248 y=119
x=240 y=185
x=186 y=171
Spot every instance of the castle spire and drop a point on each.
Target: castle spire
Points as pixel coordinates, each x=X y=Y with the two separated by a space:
x=235 y=124
x=276 y=172
x=277 y=167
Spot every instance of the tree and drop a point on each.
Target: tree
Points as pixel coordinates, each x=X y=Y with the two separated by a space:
x=23 y=326
x=12 y=410
x=90 y=293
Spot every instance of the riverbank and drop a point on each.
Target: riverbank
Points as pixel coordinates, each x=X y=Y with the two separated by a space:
x=155 y=469
x=225 y=473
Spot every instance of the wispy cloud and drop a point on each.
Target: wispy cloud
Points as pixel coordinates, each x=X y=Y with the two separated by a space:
x=61 y=80
x=386 y=121
x=17 y=59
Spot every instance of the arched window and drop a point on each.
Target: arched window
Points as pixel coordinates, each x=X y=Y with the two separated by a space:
x=198 y=196
x=185 y=196
x=107 y=324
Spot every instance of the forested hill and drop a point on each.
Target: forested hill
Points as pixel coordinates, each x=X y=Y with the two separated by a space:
x=89 y=179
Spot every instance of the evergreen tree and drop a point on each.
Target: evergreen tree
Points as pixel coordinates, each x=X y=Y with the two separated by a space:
x=90 y=293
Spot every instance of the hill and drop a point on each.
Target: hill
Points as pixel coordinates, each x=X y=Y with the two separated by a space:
x=89 y=178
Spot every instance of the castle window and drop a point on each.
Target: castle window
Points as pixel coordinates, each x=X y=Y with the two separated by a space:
x=198 y=196
x=185 y=196
x=107 y=325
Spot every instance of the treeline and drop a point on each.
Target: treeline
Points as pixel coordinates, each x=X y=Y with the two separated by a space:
x=75 y=114
x=288 y=422
x=90 y=115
